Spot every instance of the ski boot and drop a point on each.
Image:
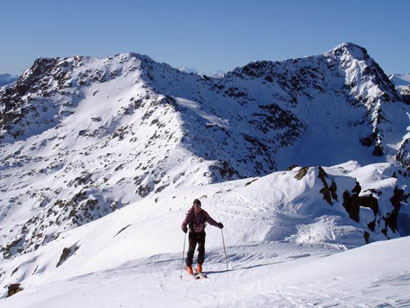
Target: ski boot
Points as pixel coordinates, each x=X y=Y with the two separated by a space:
x=189 y=270
x=199 y=268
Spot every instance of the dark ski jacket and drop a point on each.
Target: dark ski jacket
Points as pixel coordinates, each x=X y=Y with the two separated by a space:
x=197 y=223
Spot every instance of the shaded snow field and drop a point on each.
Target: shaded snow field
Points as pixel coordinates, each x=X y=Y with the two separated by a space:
x=287 y=247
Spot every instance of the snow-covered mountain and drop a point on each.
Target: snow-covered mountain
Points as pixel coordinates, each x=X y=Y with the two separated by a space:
x=400 y=80
x=7 y=79
x=402 y=83
x=81 y=138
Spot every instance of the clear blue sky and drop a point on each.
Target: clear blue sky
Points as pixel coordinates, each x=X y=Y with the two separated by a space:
x=206 y=35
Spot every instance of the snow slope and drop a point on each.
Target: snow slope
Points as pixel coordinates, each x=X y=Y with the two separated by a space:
x=260 y=275
x=284 y=209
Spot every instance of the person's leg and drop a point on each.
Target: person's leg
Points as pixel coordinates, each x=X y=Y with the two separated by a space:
x=191 y=249
x=201 y=247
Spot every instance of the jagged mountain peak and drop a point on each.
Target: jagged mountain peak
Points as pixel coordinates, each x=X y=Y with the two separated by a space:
x=360 y=69
x=85 y=64
x=350 y=48
x=346 y=59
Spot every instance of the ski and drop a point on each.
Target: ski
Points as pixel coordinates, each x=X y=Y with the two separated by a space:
x=193 y=276
x=200 y=275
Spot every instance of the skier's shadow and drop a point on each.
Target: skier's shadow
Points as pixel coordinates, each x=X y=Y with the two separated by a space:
x=243 y=268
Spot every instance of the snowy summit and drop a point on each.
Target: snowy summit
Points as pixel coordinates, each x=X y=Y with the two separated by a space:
x=306 y=161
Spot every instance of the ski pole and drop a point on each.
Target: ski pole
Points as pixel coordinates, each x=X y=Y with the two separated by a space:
x=183 y=254
x=223 y=241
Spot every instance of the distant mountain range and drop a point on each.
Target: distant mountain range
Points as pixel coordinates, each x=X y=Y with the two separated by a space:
x=7 y=79
x=217 y=74
x=400 y=80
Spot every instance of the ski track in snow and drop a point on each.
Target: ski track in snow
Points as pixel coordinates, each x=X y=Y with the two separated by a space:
x=270 y=274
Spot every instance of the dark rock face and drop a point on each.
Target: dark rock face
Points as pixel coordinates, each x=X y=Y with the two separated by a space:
x=275 y=118
x=20 y=101
x=301 y=173
x=352 y=202
x=392 y=218
x=226 y=172
x=405 y=93
x=403 y=155
x=327 y=191
x=12 y=248
x=383 y=220
x=370 y=202
x=144 y=190
x=13 y=289
x=366 y=236
x=67 y=252
x=11 y=98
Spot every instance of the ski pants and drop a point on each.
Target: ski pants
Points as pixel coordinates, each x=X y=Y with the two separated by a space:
x=194 y=239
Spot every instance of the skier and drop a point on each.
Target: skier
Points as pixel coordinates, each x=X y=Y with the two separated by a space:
x=197 y=218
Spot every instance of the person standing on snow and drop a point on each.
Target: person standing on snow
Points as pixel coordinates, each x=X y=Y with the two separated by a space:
x=196 y=219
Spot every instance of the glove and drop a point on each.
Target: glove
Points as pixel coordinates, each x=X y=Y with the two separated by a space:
x=185 y=229
x=220 y=225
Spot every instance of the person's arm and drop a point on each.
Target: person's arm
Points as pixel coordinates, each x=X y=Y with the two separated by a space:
x=186 y=221
x=212 y=222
